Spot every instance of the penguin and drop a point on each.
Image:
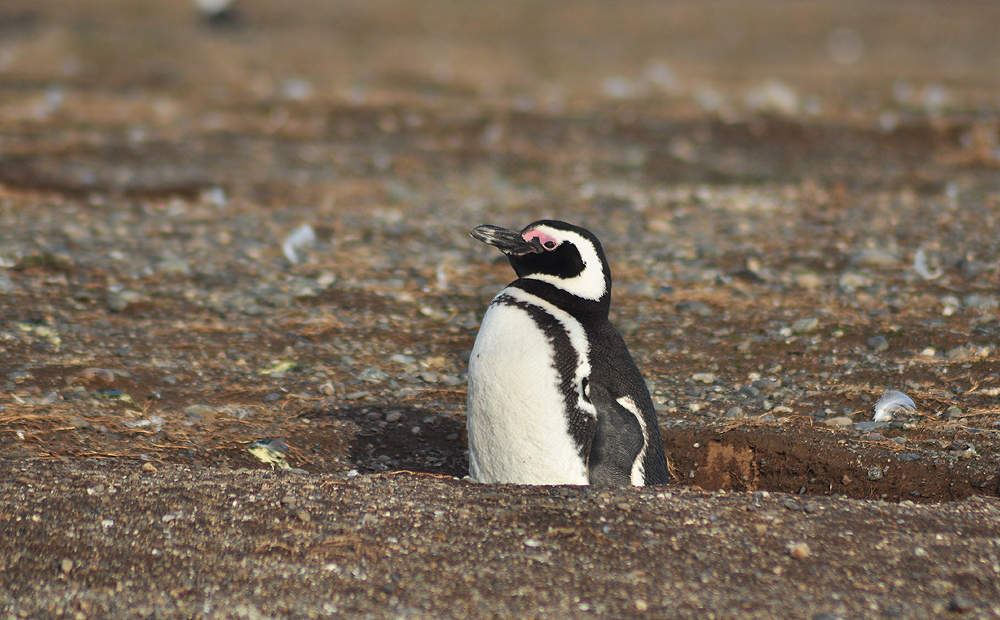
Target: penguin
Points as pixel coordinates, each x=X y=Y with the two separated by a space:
x=554 y=395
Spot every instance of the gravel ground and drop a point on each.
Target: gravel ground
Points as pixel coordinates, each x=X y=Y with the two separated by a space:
x=216 y=237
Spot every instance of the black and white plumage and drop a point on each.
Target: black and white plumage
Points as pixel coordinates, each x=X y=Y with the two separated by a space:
x=554 y=395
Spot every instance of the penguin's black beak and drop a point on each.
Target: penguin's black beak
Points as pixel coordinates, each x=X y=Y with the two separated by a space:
x=510 y=242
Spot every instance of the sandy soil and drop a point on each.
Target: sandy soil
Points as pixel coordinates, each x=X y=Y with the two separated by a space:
x=799 y=202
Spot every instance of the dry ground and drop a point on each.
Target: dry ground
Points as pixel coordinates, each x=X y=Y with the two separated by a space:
x=766 y=179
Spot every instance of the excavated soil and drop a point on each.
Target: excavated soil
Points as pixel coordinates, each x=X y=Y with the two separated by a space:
x=799 y=203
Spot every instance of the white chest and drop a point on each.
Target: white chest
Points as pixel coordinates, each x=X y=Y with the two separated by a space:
x=518 y=431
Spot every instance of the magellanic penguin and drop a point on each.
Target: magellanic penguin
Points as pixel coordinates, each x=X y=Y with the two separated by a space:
x=554 y=396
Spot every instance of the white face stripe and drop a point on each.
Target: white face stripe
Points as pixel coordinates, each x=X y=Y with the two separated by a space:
x=638 y=473
x=577 y=337
x=590 y=283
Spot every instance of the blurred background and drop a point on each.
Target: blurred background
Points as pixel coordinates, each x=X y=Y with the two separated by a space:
x=860 y=61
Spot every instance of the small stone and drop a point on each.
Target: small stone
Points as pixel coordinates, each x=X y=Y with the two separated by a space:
x=804 y=326
x=120 y=300
x=958 y=354
x=875 y=473
x=169 y=380
x=846 y=480
x=403 y=360
x=839 y=421
x=874 y=258
x=808 y=281
x=303 y=516
x=869 y=426
x=929 y=352
x=735 y=413
x=393 y=416
x=640 y=605
x=373 y=415
x=642 y=289
x=765 y=386
x=694 y=307
x=149 y=468
x=66 y=565
x=7 y=286
x=532 y=542
x=852 y=281
x=357 y=395
x=908 y=456
x=373 y=375
x=200 y=412
x=749 y=391
x=704 y=377
x=429 y=377
x=79 y=424
x=799 y=551
x=174 y=267
x=272 y=397
x=327 y=389
x=415 y=430
x=877 y=343
x=953 y=411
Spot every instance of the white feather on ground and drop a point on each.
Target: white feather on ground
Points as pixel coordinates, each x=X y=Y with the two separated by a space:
x=302 y=237
x=922 y=267
x=891 y=402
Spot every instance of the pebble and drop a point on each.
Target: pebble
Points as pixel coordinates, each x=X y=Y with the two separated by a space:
x=200 y=412
x=874 y=258
x=877 y=343
x=403 y=360
x=804 y=326
x=869 y=426
x=799 y=551
x=373 y=375
x=694 y=307
x=7 y=286
x=79 y=423
x=735 y=413
x=272 y=397
x=808 y=281
x=66 y=565
x=704 y=377
x=415 y=430
x=875 y=473
x=123 y=299
x=839 y=421
x=908 y=456
x=174 y=267
x=749 y=391
x=642 y=289
x=959 y=354
x=765 y=386
x=981 y=302
x=393 y=416
x=850 y=281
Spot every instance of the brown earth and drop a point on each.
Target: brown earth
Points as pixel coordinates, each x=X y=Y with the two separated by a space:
x=763 y=176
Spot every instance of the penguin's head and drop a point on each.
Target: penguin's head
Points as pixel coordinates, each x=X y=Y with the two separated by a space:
x=566 y=256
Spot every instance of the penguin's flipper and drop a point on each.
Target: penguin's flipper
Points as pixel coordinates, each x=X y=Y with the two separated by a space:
x=617 y=442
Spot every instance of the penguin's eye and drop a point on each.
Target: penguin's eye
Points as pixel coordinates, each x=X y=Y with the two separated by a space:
x=549 y=245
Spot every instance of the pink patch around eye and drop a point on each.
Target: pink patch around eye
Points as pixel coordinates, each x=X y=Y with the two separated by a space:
x=548 y=242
